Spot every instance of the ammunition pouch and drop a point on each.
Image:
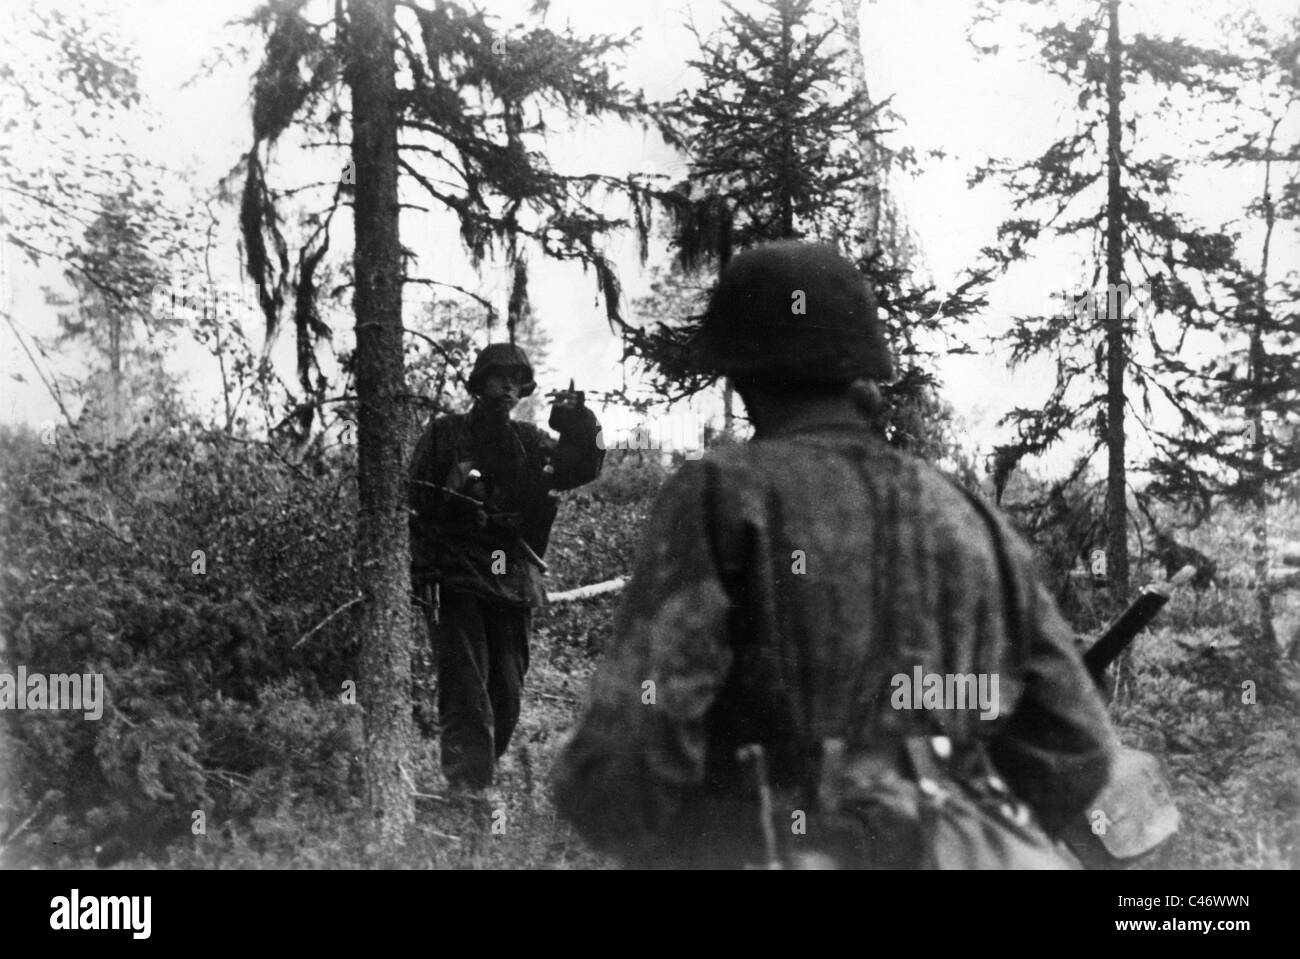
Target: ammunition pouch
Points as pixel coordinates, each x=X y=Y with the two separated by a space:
x=909 y=809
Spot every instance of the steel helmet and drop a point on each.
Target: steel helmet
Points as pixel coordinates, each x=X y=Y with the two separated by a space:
x=793 y=310
x=502 y=356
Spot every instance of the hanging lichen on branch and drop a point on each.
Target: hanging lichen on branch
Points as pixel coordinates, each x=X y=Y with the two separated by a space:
x=472 y=104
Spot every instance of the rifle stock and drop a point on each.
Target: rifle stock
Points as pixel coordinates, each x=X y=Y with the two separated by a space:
x=1138 y=811
x=1124 y=628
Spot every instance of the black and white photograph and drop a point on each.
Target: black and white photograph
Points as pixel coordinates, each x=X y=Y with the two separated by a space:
x=531 y=435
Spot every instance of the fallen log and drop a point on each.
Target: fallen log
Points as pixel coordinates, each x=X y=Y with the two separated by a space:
x=588 y=591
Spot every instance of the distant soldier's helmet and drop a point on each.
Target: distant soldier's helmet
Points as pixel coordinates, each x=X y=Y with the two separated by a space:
x=793 y=311
x=502 y=357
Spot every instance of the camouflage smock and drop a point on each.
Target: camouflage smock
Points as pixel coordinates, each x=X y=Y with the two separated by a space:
x=449 y=545
x=741 y=647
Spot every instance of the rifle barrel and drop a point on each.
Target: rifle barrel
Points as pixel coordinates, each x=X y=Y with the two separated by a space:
x=1122 y=630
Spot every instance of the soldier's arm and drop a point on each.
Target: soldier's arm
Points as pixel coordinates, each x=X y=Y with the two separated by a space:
x=638 y=753
x=1058 y=746
x=577 y=458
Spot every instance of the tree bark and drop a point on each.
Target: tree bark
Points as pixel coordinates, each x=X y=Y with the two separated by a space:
x=785 y=199
x=873 y=160
x=382 y=540
x=1255 y=416
x=1116 y=501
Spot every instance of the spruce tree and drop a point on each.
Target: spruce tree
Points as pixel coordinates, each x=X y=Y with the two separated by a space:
x=1247 y=382
x=74 y=190
x=781 y=143
x=1097 y=183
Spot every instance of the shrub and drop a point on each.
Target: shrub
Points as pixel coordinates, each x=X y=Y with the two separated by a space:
x=184 y=566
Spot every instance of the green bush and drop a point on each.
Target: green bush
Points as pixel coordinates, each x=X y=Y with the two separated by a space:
x=628 y=476
x=184 y=566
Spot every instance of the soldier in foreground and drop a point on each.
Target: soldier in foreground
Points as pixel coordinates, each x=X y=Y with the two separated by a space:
x=783 y=590
x=482 y=504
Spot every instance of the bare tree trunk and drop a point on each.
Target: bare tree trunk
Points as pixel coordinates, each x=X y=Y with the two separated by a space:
x=382 y=540
x=1255 y=415
x=1116 y=503
x=785 y=199
x=873 y=160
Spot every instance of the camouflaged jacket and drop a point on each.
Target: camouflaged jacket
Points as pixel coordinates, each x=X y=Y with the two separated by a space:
x=779 y=589
x=481 y=551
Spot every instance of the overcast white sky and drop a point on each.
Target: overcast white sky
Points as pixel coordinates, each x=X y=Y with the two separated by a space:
x=970 y=107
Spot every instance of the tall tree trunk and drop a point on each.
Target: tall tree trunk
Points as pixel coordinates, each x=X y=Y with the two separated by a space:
x=1255 y=415
x=785 y=121
x=1116 y=502
x=382 y=542
x=874 y=160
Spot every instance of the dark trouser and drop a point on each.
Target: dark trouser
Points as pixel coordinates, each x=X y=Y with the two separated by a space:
x=482 y=650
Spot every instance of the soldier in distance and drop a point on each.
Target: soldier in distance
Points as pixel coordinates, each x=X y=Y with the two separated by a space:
x=482 y=498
